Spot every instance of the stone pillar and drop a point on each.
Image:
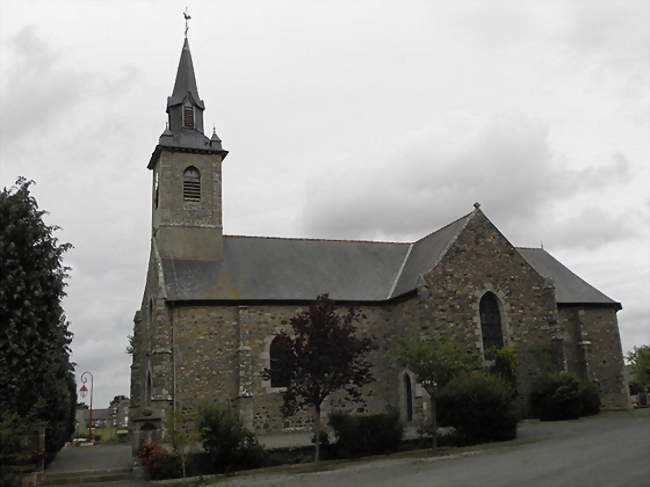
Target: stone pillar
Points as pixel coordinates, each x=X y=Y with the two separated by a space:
x=245 y=369
x=161 y=353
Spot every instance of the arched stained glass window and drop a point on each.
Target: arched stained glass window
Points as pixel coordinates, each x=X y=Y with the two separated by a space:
x=279 y=354
x=490 y=325
x=191 y=184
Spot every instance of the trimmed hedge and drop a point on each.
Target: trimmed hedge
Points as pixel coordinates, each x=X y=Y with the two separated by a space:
x=555 y=397
x=562 y=396
x=590 y=397
x=364 y=434
x=479 y=406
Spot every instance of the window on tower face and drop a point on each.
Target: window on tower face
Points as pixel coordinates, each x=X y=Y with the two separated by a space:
x=191 y=184
x=490 y=325
x=188 y=117
x=155 y=189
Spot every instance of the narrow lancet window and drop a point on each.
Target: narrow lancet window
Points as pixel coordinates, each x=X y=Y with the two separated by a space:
x=279 y=354
x=408 y=396
x=191 y=184
x=490 y=325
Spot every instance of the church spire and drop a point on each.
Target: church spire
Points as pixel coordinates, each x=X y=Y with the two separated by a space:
x=185 y=84
x=184 y=130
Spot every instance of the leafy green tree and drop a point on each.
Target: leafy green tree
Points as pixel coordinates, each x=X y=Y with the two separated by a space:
x=435 y=362
x=505 y=367
x=639 y=360
x=322 y=355
x=116 y=400
x=36 y=376
x=182 y=432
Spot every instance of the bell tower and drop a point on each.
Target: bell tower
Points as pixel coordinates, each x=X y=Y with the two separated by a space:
x=186 y=183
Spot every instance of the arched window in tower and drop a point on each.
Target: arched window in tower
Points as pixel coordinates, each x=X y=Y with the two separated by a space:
x=279 y=355
x=490 y=325
x=156 y=189
x=191 y=184
x=188 y=117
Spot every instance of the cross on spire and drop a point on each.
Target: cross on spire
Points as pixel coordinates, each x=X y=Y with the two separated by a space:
x=187 y=16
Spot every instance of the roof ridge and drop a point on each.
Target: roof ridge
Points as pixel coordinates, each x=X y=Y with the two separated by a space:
x=443 y=227
x=309 y=239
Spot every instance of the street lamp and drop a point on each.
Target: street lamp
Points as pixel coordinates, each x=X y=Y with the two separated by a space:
x=84 y=391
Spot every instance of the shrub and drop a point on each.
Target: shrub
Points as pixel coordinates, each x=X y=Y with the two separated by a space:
x=363 y=434
x=9 y=479
x=479 y=406
x=155 y=461
x=505 y=367
x=165 y=466
x=228 y=443
x=590 y=397
x=555 y=397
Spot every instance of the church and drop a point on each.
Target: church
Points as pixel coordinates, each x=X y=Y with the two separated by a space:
x=213 y=304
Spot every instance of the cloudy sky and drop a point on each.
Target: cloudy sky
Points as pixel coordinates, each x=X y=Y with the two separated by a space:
x=356 y=119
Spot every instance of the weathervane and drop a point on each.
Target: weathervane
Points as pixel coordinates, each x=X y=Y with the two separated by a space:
x=187 y=16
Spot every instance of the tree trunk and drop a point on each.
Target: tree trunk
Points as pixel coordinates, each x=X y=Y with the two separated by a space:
x=434 y=421
x=317 y=433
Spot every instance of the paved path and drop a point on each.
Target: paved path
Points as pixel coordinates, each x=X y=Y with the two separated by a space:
x=610 y=450
x=99 y=457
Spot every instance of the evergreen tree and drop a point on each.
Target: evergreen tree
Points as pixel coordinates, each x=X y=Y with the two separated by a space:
x=36 y=376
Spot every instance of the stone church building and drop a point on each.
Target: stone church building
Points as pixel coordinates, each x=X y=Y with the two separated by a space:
x=214 y=303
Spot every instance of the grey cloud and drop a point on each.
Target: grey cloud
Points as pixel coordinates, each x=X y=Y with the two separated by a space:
x=612 y=39
x=508 y=165
x=37 y=90
x=589 y=229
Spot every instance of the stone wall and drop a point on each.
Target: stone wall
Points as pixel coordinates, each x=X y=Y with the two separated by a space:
x=593 y=350
x=478 y=261
x=187 y=229
x=217 y=352
x=220 y=353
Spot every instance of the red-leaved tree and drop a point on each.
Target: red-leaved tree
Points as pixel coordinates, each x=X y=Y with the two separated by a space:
x=323 y=354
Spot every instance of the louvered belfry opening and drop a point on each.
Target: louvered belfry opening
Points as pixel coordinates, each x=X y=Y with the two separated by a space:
x=490 y=325
x=188 y=117
x=191 y=184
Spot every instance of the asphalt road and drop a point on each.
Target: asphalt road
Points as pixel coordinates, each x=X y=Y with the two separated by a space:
x=610 y=450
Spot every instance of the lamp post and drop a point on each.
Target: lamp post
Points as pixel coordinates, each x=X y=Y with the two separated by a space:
x=84 y=391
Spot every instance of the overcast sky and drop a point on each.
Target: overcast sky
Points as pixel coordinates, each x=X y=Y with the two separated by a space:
x=355 y=119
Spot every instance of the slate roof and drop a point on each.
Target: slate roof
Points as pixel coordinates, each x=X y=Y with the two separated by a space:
x=291 y=269
x=259 y=268
x=569 y=288
x=185 y=83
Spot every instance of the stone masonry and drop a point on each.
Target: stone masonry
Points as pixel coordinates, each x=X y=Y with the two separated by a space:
x=212 y=304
